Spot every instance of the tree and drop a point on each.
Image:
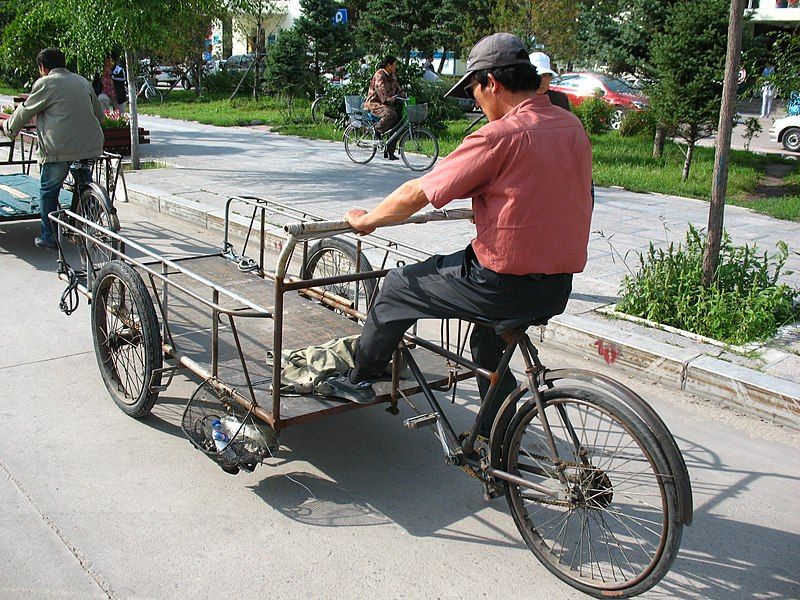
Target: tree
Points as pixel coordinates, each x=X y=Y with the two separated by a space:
x=97 y=28
x=549 y=23
x=399 y=26
x=29 y=26
x=258 y=16
x=689 y=58
x=785 y=55
x=620 y=33
x=330 y=44
x=286 y=70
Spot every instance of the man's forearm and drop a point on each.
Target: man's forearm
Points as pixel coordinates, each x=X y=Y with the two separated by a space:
x=399 y=205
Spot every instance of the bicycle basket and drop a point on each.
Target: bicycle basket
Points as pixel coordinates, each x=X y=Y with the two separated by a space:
x=417 y=113
x=353 y=104
x=246 y=441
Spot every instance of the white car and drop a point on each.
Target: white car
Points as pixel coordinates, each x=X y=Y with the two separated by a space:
x=786 y=131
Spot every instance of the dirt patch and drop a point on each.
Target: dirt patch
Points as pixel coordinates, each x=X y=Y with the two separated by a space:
x=772 y=185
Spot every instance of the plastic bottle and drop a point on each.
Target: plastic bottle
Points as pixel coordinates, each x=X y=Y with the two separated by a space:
x=221 y=441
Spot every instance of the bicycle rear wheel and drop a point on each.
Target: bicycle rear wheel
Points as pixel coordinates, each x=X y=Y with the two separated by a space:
x=419 y=148
x=615 y=530
x=95 y=206
x=360 y=142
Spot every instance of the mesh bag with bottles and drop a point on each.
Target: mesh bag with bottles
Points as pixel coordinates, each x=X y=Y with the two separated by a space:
x=228 y=434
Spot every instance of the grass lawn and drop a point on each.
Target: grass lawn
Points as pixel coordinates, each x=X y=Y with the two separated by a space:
x=623 y=162
x=5 y=90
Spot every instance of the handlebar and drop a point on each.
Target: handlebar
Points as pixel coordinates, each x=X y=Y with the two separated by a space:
x=301 y=230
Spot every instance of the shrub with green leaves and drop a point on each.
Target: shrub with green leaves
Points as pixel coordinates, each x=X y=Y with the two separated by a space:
x=637 y=122
x=595 y=114
x=745 y=303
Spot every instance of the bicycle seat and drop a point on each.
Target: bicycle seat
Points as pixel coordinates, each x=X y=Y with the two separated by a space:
x=505 y=325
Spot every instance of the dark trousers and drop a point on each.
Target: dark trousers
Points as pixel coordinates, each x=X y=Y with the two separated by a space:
x=389 y=118
x=456 y=286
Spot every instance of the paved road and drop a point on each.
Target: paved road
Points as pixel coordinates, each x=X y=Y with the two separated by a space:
x=94 y=504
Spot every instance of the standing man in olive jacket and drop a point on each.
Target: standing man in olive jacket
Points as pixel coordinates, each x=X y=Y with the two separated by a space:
x=68 y=118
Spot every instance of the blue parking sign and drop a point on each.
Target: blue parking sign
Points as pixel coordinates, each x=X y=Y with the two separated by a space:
x=340 y=18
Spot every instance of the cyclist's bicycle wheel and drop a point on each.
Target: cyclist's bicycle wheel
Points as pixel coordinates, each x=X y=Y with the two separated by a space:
x=360 y=142
x=613 y=529
x=419 y=148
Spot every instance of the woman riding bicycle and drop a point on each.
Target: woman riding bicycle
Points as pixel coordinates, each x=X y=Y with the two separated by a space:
x=383 y=91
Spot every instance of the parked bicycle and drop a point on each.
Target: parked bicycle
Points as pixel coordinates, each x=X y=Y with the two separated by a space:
x=418 y=146
x=147 y=88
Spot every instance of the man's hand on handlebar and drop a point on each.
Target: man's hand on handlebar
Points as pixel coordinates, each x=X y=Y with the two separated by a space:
x=356 y=219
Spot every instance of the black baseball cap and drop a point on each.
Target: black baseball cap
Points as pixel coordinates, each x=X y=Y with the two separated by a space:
x=496 y=50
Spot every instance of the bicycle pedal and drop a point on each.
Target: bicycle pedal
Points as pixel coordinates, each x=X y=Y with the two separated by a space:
x=420 y=421
x=491 y=491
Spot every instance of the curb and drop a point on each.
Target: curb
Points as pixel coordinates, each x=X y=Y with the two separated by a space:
x=744 y=389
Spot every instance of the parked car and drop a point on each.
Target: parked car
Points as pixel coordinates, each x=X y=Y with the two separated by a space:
x=786 y=131
x=620 y=95
x=238 y=63
x=163 y=74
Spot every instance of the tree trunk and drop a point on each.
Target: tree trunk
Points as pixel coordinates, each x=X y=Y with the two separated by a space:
x=689 y=155
x=658 y=141
x=441 y=62
x=227 y=36
x=719 y=182
x=130 y=70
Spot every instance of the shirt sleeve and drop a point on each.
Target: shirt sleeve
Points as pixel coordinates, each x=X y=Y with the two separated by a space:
x=462 y=174
x=35 y=103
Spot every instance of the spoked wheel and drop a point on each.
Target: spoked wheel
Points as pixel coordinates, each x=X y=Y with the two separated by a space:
x=612 y=528
x=360 y=142
x=127 y=342
x=616 y=118
x=95 y=207
x=334 y=256
x=419 y=149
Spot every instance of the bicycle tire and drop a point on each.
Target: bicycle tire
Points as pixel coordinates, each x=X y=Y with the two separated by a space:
x=360 y=142
x=335 y=256
x=127 y=341
x=95 y=206
x=315 y=108
x=419 y=148
x=601 y=490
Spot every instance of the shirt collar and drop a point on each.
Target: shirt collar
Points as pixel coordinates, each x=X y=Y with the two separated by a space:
x=537 y=101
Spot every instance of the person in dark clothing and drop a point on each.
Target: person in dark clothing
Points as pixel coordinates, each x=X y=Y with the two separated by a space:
x=381 y=97
x=541 y=61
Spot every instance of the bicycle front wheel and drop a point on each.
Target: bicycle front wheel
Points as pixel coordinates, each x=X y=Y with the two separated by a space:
x=612 y=528
x=95 y=206
x=419 y=148
x=360 y=142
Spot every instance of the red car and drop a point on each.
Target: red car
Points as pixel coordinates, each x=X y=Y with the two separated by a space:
x=580 y=86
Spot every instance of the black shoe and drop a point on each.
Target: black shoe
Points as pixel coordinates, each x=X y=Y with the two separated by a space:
x=40 y=243
x=342 y=387
x=390 y=155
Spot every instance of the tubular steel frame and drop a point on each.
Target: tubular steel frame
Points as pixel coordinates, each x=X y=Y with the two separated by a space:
x=457 y=452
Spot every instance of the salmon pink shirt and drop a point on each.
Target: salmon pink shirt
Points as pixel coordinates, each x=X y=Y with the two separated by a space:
x=529 y=175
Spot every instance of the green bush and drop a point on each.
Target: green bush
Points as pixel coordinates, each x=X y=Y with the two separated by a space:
x=744 y=303
x=595 y=114
x=224 y=82
x=637 y=122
